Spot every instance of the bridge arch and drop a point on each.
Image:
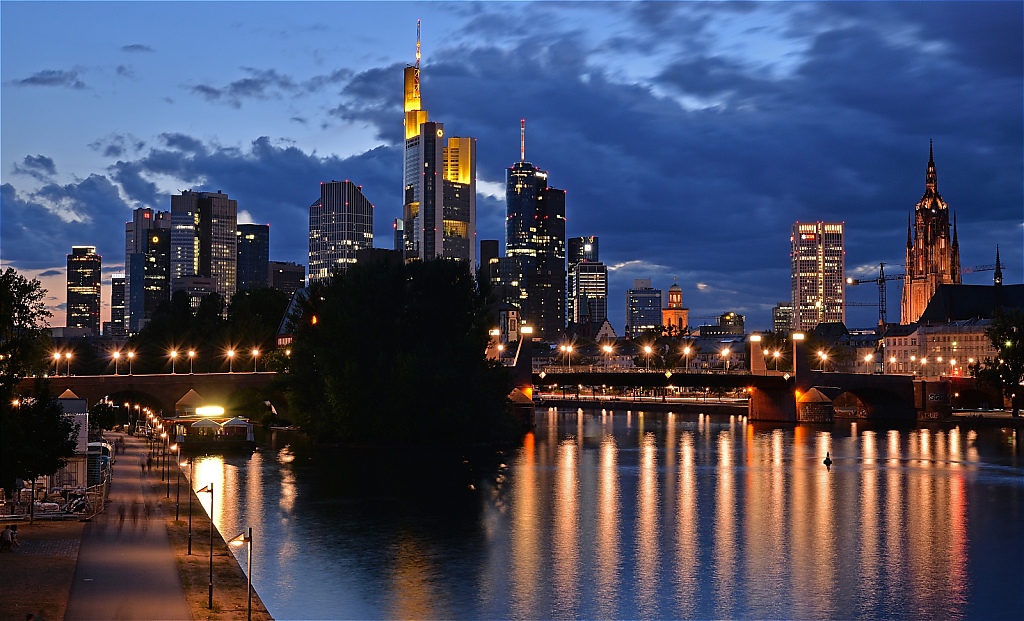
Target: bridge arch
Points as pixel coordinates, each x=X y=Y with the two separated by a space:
x=873 y=403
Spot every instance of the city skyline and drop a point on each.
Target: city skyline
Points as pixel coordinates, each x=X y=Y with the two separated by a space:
x=720 y=125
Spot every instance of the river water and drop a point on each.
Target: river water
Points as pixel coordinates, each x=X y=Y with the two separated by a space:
x=603 y=515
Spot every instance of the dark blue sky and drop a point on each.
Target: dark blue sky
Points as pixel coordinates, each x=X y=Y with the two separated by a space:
x=689 y=136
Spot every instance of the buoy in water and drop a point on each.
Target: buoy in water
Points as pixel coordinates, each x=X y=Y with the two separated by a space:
x=827 y=461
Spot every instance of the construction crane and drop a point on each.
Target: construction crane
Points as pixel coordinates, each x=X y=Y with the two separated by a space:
x=883 y=277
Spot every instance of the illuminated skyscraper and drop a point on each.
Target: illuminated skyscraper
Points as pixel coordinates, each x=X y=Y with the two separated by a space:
x=933 y=258
x=136 y=243
x=83 y=303
x=587 y=299
x=643 y=308
x=439 y=183
x=117 y=325
x=204 y=241
x=535 y=237
x=253 y=255
x=818 y=264
x=340 y=224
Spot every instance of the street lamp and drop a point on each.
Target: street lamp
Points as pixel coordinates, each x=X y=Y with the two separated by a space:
x=823 y=357
x=647 y=352
x=686 y=357
x=244 y=538
x=190 y=506
x=163 y=453
x=607 y=355
x=56 y=363
x=231 y=358
x=174 y=356
x=567 y=352
x=775 y=355
x=177 y=482
x=67 y=356
x=131 y=356
x=209 y=488
x=868 y=359
x=725 y=357
x=191 y=357
x=255 y=357
x=892 y=364
x=117 y=359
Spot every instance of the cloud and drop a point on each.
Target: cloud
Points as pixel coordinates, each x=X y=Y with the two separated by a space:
x=38 y=166
x=52 y=77
x=136 y=48
x=263 y=84
x=52 y=273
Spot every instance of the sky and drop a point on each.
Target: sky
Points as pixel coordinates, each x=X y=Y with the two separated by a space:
x=689 y=136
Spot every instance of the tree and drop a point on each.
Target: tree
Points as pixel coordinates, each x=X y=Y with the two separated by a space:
x=1006 y=371
x=394 y=353
x=24 y=341
x=102 y=415
x=37 y=437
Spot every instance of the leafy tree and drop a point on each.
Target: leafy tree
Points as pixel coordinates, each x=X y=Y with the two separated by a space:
x=394 y=353
x=24 y=340
x=102 y=415
x=254 y=316
x=1006 y=371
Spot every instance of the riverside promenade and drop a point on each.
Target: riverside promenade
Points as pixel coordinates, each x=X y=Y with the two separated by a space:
x=129 y=562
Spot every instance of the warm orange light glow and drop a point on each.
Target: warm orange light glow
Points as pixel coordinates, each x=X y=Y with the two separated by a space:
x=313 y=320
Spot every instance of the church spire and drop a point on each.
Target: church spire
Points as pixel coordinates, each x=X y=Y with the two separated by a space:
x=931 y=178
x=997 y=278
x=910 y=242
x=956 y=241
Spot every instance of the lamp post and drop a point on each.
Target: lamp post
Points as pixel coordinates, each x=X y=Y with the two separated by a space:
x=190 y=506
x=686 y=357
x=240 y=539
x=892 y=364
x=567 y=352
x=67 y=356
x=607 y=355
x=231 y=359
x=209 y=488
x=924 y=367
x=647 y=352
x=163 y=450
x=775 y=355
x=56 y=364
x=725 y=358
x=191 y=357
x=131 y=356
x=868 y=359
x=174 y=356
x=823 y=357
x=177 y=481
x=255 y=357
x=117 y=359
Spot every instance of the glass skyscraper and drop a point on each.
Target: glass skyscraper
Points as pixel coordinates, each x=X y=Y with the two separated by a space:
x=83 y=302
x=340 y=223
x=253 y=255
x=818 y=274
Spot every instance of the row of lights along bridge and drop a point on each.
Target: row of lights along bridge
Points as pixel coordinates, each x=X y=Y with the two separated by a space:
x=172 y=354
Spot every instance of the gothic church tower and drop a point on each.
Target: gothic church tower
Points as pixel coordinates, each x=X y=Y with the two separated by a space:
x=933 y=258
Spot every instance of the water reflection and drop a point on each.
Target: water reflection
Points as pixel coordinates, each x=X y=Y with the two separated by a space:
x=604 y=514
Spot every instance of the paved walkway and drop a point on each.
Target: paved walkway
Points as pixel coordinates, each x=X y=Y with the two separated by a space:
x=126 y=568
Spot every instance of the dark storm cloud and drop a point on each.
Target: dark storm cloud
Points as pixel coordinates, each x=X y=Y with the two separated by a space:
x=52 y=77
x=375 y=97
x=267 y=84
x=37 y=166
x=137 y=47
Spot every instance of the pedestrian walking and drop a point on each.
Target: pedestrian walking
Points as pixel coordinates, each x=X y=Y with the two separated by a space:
x=149 y=463
x=5 y=539
x=14 y=538
x=142 y=467
x=120 y=516
x=135 y=513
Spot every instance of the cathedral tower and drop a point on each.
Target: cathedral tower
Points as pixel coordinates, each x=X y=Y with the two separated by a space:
x=933 y=257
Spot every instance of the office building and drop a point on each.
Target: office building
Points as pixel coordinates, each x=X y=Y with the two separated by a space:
x=818 y=274
x=117 y=325
x=253 y=255
x=727 y=325
x=782 y=318
x=535 y=237
x=488 y=259
x=286 y=277
x=643 y=308
x=675 y=318
x=136 y=243
x=156 y=271
x=587 y=299
x=933 y=256
x=204 y=241
x=582 y=249
x=83 y=301
x=340 y=224
x=439 y=183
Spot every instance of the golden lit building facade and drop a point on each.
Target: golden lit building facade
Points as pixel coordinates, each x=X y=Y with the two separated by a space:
x=933 y=255
x=674 y=318
x=83 y=302
x=818 y=266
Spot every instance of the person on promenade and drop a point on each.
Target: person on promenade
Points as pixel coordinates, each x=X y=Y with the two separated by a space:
x=14 y=538
x=142 y=467
x=5 y=539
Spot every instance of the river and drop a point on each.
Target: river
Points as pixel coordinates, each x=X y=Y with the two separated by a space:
x=631 y=515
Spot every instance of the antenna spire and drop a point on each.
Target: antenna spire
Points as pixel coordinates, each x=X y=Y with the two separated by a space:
x=522 y=140
x=417 y=44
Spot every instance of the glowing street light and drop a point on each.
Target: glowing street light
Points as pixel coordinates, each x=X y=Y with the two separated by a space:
x=240 y=539
x=607 y=355
x=117 y=359
x=174 y=356
x=647 y=352
x=725 y=356
x=775 y=355
x=191 y=357
x=686 y=356
x=56 y=363
x=823 y=357
x=567 y=352
x=209 y=489
x=255 y=357
x=131 y=356
x=67 y=356
x=231 y=359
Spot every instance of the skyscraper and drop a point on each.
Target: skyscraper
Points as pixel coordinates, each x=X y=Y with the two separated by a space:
x=136 y=242
x=83 y=302
x=203 y=240
x=643 y=308
x=439 y=183
x=253 y=255
x=587 y=300
x=933 y=258
x=340 y=223
x=117 y=326
x=535 y=237
x=782 y=318
x=286 y=277
x=156 y=271
x=818 y=266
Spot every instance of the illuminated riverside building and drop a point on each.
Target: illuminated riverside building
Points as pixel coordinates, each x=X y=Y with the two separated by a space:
x=204 y=241
x=818 y=264
x=933 y=258
x=340 y=224
x=588 y=282
x=439 y=184
x=253 y=255
x=83 y=302
x=535 y=238
x=674 y=317
x=643 y=308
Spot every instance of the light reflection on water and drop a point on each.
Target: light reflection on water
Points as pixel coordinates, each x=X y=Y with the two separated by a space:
x=633 y=514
